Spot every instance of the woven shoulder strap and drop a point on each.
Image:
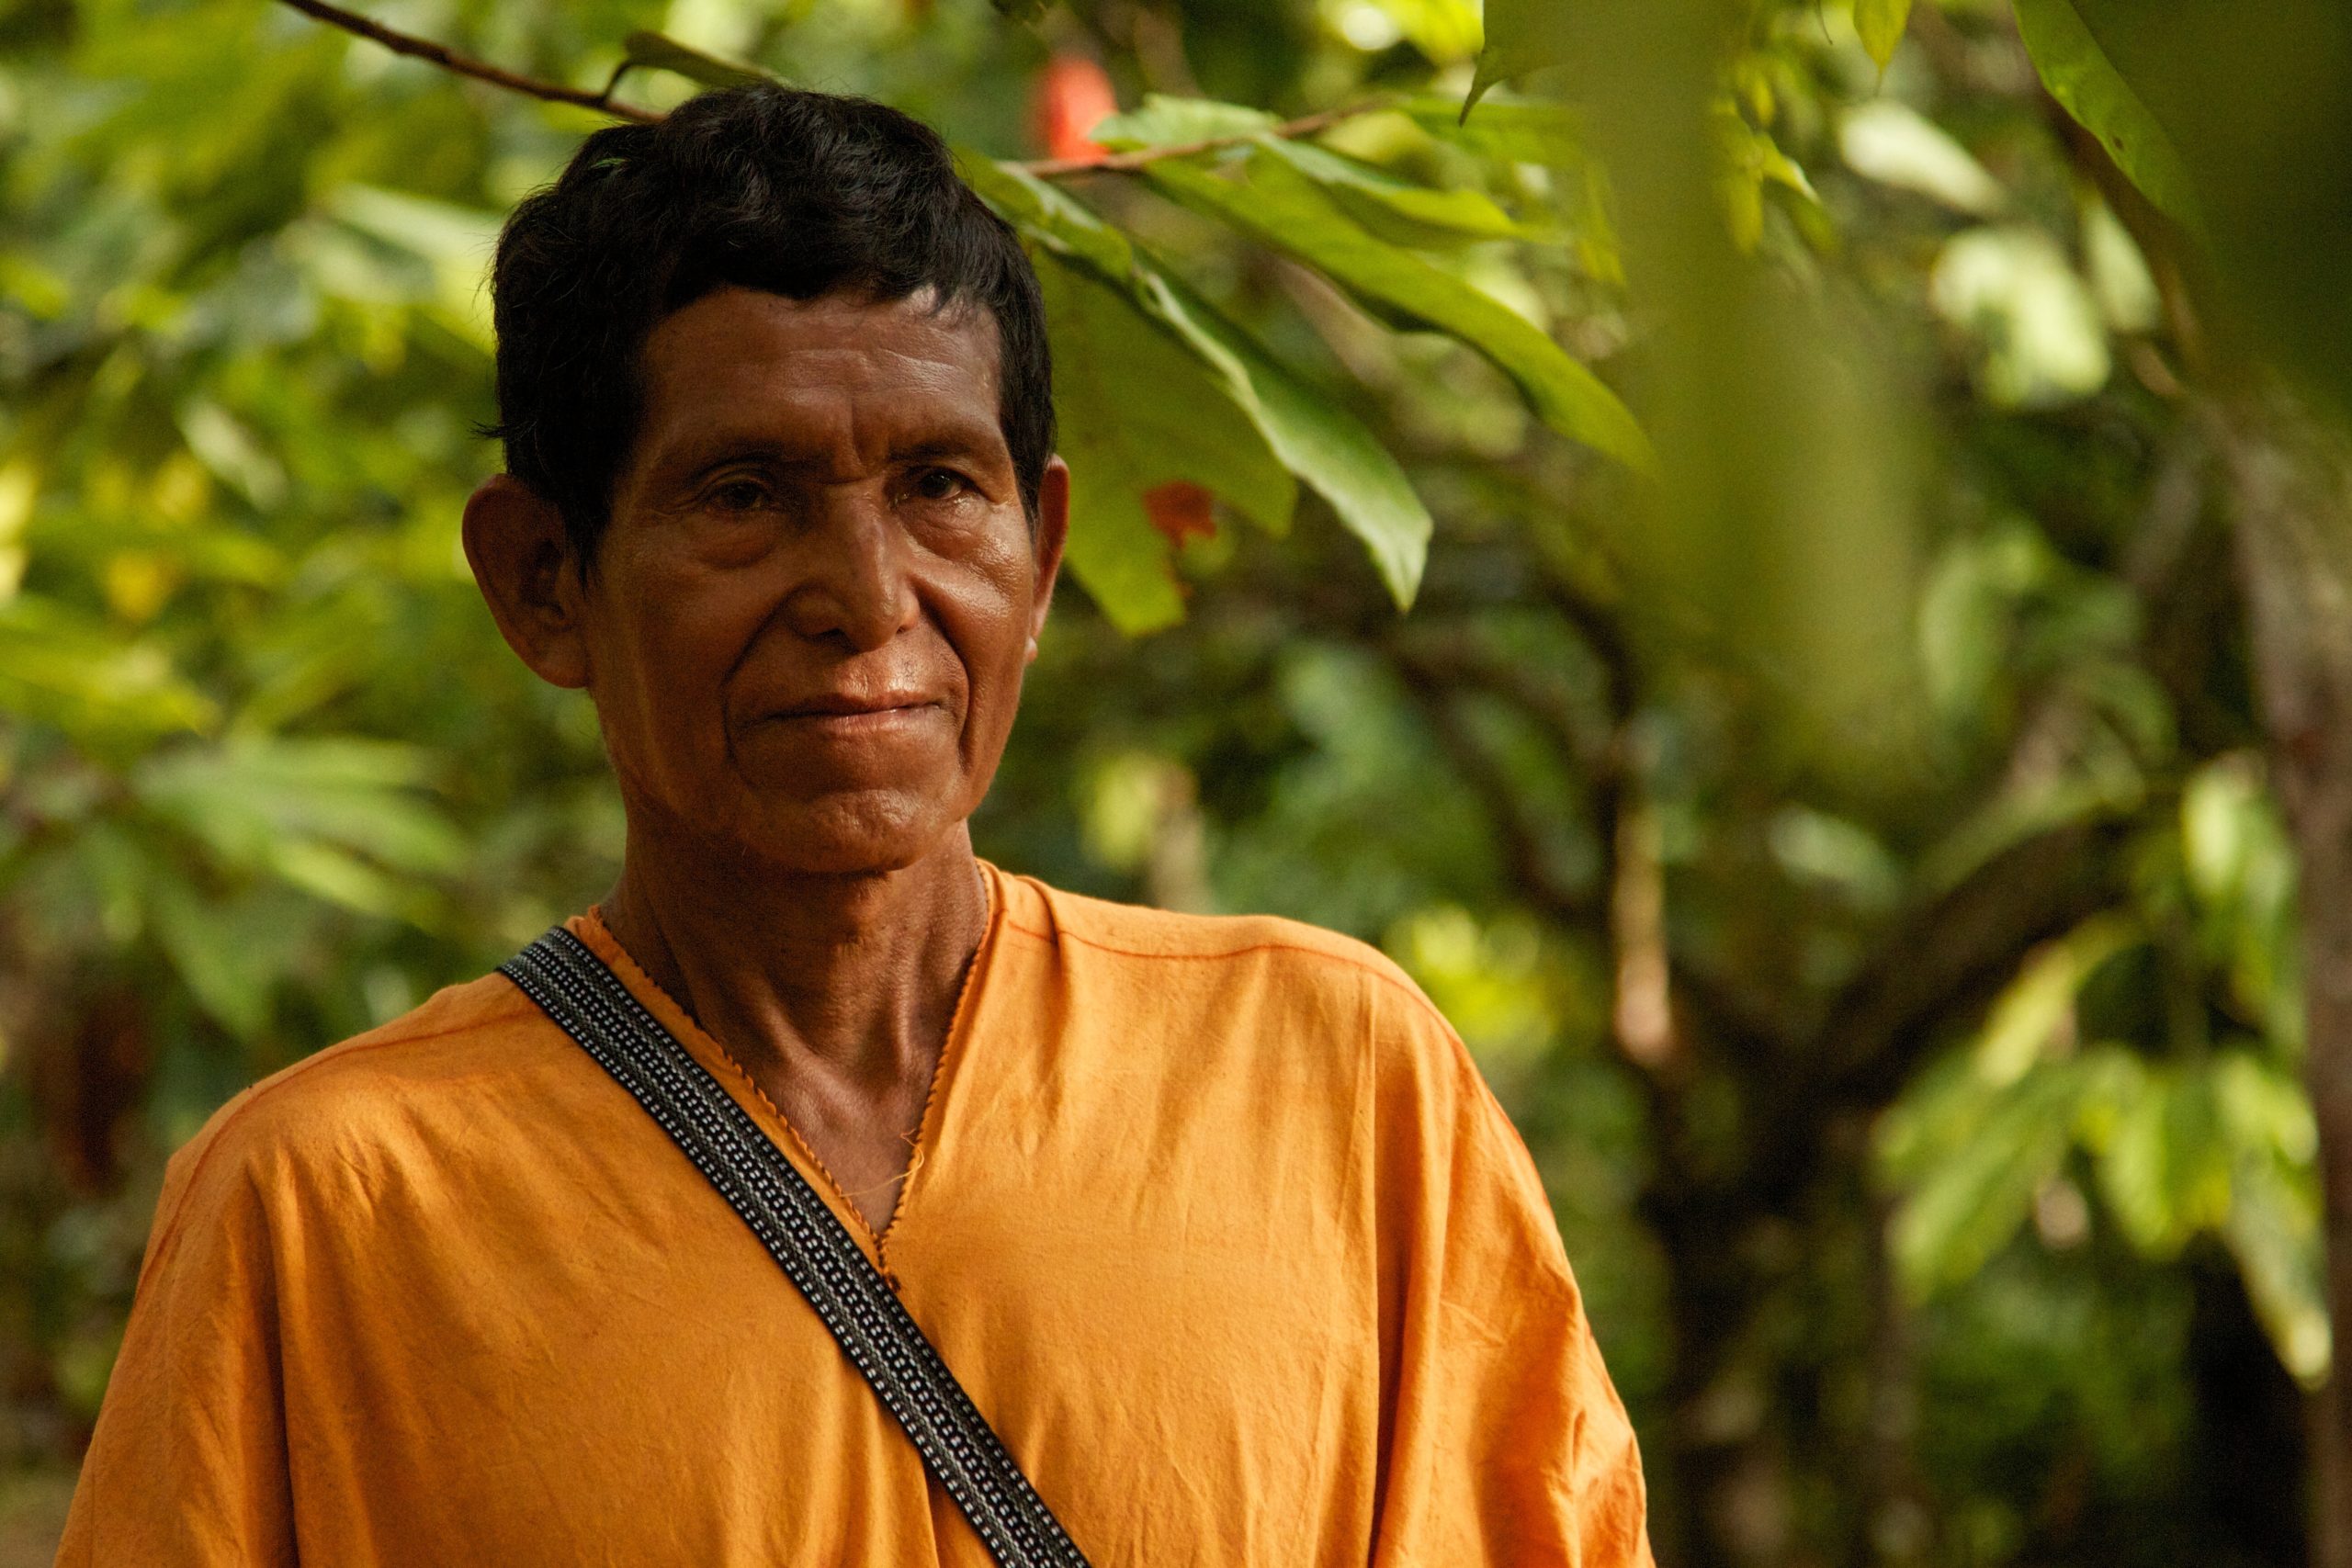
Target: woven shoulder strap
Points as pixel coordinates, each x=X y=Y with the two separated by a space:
x=807 y=1239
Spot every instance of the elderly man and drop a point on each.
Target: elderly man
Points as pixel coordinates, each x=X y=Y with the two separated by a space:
x=827 y=1195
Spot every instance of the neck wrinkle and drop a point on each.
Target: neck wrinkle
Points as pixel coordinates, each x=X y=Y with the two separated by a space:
x=851 y=979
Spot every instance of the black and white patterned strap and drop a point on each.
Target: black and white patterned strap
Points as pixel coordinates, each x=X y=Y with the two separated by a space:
x=807 y=1239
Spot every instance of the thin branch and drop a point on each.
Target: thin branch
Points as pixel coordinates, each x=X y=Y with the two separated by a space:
x=1455 y=656
x=1518 y=826
x=1142 y=157
x=467 y=65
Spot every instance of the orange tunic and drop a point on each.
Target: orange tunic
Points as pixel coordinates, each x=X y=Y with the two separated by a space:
x=1212 y=1217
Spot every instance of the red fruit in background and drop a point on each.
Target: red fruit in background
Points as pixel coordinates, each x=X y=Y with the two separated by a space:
x=1071 y=97
x=1181 y=510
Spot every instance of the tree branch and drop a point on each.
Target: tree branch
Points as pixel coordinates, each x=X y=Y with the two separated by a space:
x=1527 y=859
x=467 y=65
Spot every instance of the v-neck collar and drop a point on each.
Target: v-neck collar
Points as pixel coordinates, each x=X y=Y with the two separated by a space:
x=722 y=1064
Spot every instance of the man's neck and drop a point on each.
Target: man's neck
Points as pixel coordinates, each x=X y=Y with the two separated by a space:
x=850 y=979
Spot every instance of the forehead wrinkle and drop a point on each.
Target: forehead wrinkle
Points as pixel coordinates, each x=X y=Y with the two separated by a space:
x=877 y=376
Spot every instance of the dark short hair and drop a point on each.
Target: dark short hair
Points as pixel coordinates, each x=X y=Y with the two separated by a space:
x=769 y=187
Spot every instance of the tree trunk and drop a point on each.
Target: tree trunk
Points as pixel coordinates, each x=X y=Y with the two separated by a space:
x=2291 y=490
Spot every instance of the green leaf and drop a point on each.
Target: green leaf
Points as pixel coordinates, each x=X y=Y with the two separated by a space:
x=1050 y=217
x=1511 y=130
x=658 y=52
x=1138 y=407
x=2273 y=1232
x=1888 y=140
x=1881 y=23
x=1399 y=210
x=1313 y=436
x=1523 y=36
x=2030 y=1013
x=264 y=802
x=1966 y=1205
x=339 y=876
x=1281 y=207
x=2164 y=1164
x=61 y=666
x=1417 y=214
x=1751 y=160
x=2082 y=77
x=228 y=963
x=1164 y=121
x=1331 y=450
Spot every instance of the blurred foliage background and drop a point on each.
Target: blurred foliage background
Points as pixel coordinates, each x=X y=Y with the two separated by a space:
x=1863 y=479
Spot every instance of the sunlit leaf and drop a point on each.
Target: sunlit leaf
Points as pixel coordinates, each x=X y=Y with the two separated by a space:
x=2032 y=1012
x=2273 y=1231
x=1971 y=1200
x=252 y=797
x=1399 y=210
x=1281 y=207
x=2164 y=1169
x=64 y=669
x=2082 y=76
x=1164 y=121
x=1050 y=216
x=1892 y=142
x=1881 y=23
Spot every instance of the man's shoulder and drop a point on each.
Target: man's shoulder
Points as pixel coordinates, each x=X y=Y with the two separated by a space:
x=1301 y=968
x=1149 y=935
x=335 y=1102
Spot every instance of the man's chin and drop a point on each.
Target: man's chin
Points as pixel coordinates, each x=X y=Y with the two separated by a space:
x=861 y=833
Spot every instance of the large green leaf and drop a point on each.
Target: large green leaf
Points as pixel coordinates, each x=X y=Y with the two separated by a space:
x=1523 y=36
x=1051 y=217
x=2083 y=77
x=1281 y=207
x=1138 y=407
x=1164 y=121
x=1399 y=210
x=1512 y=130
x=1309 y=433
x=2036 y=1009
x=1402 y=210
x=2273 y=1228
x=1330 y=449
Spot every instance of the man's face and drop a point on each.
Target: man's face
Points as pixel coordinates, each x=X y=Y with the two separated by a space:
x=809 y=618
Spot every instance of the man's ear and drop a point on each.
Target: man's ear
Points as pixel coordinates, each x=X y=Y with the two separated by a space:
x=1053 y=533
x=524 y=563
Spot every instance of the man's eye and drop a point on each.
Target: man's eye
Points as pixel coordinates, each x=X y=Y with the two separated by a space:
x=738 y=495
x=940 y=484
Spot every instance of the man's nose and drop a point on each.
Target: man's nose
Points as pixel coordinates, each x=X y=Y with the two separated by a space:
x=856 y=582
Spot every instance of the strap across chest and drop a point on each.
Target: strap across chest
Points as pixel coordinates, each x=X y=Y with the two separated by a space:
x=807 y=1239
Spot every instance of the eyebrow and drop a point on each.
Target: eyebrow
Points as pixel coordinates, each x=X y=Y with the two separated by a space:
x=952 y=447
x=777 y=454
